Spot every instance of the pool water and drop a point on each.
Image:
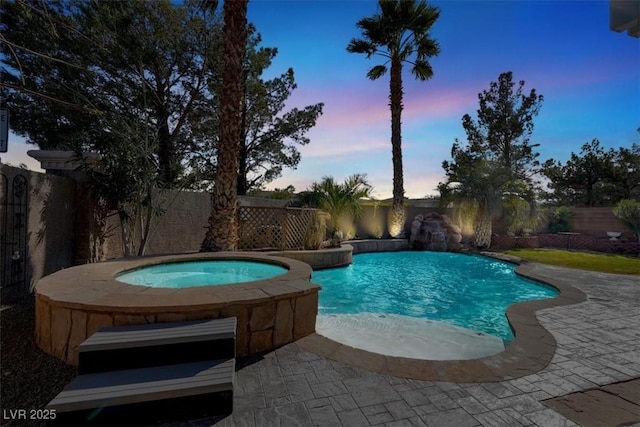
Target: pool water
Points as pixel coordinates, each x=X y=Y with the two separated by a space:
x=468 y=291
x=200 y=273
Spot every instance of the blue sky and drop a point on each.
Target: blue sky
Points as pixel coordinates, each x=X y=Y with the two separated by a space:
x=588 y=75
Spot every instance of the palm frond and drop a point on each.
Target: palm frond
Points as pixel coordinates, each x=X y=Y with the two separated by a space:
x=422 y=70
x=361 y=46
x=427 y=48
x=377 y=72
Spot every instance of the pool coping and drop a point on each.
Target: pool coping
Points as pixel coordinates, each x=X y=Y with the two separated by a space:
x=531 y=350
x=95 y=284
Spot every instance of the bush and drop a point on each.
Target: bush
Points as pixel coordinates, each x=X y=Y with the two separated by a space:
x=628 y=210
x=560 y=220
x=315 y=234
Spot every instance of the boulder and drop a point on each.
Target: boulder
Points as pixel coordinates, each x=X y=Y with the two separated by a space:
x=435 y=232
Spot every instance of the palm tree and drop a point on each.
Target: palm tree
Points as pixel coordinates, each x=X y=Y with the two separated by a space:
x=477 y=188
x=400 y=33
x=339 y=200
x=482 y=187
x=223 y=226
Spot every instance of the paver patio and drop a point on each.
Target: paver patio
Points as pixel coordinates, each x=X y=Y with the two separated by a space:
x=598 y=343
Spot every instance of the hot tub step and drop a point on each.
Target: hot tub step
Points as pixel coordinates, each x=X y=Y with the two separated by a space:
x=148 y=394
x=156 y=344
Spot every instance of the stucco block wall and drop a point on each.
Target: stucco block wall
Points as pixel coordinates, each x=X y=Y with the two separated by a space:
x=50 y=224
x=588 y=221
x=597 y=221
x=183 y=226
x=181 y=229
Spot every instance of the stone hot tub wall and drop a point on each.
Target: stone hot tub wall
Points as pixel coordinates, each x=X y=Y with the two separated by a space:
x=74 y=303
x=321 y=258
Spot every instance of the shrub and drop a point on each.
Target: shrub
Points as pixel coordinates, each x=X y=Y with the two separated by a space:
x=316 y=232
x=560 y=220
x=628 y=210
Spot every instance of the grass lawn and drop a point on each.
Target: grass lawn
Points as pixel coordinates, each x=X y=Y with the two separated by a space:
x=604 y=263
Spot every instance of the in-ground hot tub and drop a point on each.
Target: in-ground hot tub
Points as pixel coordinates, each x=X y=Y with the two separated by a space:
x=73 y=303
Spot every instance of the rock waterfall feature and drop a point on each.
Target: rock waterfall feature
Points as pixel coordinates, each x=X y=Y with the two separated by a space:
x=435 y=232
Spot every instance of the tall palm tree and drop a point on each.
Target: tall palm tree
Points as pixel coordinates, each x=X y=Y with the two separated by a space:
x=223 y=226
x=399 y=32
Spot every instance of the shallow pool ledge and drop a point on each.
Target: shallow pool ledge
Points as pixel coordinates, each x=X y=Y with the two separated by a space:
x=343 y=256
x=531 y=350
x=321 y=258
x=73 y=303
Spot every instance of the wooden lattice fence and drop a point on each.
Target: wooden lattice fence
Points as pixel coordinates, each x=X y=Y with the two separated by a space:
x=278 y=228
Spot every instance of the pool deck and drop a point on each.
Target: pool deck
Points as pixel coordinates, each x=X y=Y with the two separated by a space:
x=597 y=344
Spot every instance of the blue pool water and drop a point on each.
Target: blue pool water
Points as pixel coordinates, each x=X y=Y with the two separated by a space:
x=200 y=273
x=468 y=291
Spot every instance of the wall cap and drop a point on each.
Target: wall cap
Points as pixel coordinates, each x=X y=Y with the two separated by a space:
x=60 y=160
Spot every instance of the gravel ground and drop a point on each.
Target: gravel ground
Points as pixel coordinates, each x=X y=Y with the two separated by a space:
x=30 y=377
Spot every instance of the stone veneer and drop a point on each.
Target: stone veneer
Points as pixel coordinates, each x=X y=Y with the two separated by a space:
x=339 y=257
x=321 y=258
x=381 y=245
x=73 y=303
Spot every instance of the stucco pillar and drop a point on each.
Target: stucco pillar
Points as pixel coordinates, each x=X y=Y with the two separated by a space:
x=89 y=211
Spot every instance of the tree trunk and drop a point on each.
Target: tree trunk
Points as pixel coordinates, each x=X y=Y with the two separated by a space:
x=482 y=229
x=242 y=169
x=167 y=160
x=146 y=216
x=125 y=228
x=223 y=222
x=243 y=185
x=395 y=97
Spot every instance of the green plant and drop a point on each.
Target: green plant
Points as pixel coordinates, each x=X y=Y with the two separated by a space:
x=535 y=220
x=376 y=233
x=521 y=216
x=338 y=200
x=314 y=236
x=336 y=240
x=628 y=210
x=560 y=220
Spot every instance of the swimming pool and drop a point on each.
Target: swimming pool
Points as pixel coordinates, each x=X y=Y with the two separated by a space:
x=467 y=291
x=200 y=273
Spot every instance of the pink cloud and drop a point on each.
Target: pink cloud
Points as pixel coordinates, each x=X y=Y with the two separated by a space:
x=342 y=144
x=349 y=108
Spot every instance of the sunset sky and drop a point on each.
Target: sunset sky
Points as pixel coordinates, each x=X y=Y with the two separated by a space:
x=588 y=75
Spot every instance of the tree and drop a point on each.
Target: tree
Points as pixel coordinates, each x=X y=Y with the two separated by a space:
x=629 y=213
x=498 y=161
x=286 y=193
x=116 y=78
x=399 y=32
x=223 y=226
x=44 y=92
x=626 y=173
x=269 y=134
x=475 y=184
x=114 y=62
x=586 y=179
x=338 y=200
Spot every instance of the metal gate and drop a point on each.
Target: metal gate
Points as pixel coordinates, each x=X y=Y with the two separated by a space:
x=14 y=198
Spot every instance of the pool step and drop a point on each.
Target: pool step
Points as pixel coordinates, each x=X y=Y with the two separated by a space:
x=136 y=396
x=140 y=346
x=139 y=372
